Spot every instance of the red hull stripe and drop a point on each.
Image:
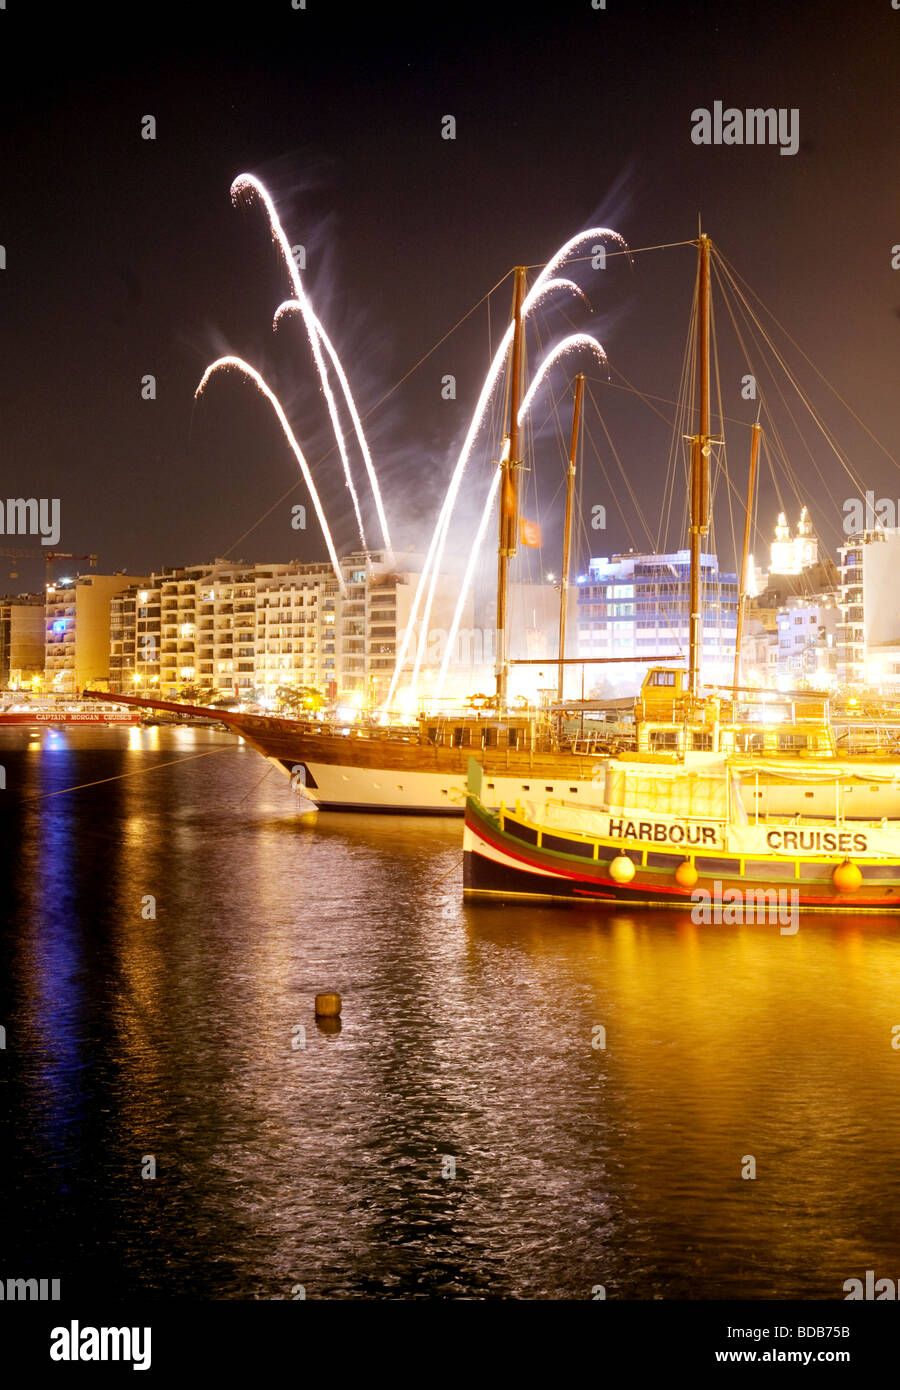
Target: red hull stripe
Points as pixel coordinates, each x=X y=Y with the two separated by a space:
x=565 y=873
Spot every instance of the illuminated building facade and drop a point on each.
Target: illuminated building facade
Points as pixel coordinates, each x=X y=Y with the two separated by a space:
x=231 y=629
x=634 y=607
x=869 y=631
x=77 y=631
x=21 y=641
x=807 y=641
x=793 y=554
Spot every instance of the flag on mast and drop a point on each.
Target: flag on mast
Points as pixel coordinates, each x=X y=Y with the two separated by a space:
x=529 y=532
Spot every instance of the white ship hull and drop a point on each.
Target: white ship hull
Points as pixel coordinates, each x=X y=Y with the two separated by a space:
x=346 y=788
x=343 y=787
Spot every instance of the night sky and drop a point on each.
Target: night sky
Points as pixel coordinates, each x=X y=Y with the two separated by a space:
x=125 y=256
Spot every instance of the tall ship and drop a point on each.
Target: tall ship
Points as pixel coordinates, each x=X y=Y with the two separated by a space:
x=782 y=745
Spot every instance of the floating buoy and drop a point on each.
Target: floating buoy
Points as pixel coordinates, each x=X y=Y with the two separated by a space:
x=309 y=817
x=847 y=877
x=328 y=1006
x=621 y=870
x=686 y=874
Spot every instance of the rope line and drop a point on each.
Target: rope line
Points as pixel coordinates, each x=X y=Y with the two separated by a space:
x=139 y=772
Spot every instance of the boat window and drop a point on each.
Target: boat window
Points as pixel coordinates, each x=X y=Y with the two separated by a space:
x=490 y=738
x=514 y=737
x=663 y=740
x=431 y=734
x=702 y=742
x=662 y=678
x=791 y=743
x=461 y=736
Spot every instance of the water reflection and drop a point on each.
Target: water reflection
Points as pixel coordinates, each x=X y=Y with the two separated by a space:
x=521 y=1101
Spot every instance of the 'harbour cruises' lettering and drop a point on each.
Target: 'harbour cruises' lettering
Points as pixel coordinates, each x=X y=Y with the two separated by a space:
x=661 y=833
x=821 y=841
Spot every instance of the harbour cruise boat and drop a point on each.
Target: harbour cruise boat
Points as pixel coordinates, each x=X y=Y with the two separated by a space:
x=677 y=838
x=35 y=712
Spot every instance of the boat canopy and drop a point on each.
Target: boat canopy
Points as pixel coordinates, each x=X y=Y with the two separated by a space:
x=700 y=792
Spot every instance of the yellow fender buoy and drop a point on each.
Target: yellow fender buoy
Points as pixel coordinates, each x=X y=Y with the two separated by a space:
x=621 y=870
x=686 y=874
x=328 y=1005
x=847 y=877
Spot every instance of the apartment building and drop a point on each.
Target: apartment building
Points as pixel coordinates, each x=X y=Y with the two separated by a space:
x=807 y=640
x=634 y=607
x=77 y=631
x=231 y=628
x=869 y=629
x=21 y=641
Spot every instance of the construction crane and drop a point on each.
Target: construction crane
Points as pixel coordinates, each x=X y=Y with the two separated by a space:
x=48 y=556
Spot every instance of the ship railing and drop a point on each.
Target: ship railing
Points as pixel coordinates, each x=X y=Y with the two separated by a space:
x=592 y=745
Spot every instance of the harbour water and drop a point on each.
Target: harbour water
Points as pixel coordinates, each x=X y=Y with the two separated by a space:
x=521 y=1101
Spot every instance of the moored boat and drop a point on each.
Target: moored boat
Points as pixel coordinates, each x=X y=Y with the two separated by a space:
x=773 y=738
x=679 y=841
x=38 y=714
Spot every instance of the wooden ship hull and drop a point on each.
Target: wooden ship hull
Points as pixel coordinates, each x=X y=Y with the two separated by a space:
x=409 y=774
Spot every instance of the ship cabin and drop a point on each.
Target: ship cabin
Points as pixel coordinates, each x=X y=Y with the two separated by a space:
x=516 y=732
x=761 y=723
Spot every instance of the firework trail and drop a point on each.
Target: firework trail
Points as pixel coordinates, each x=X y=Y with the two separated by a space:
x=569 y=246
x=470 y=570
x=291 y=305
x=573 y=343
x=238 y=364
x=439 y=536
x=543 y=285
x=248 y=186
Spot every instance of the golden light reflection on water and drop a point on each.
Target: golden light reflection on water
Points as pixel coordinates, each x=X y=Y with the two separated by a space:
x=730 y=1042
x=468 y=1029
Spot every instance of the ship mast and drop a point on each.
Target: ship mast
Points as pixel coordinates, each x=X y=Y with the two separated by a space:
x=567 y=534
x=509 y=506
x=742 y=591
x=700 y=451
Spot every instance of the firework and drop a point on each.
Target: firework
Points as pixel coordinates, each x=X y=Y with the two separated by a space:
x=248 y=186
x=238 y=364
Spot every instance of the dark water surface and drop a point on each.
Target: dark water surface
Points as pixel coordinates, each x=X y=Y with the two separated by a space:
x=467 y=1035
